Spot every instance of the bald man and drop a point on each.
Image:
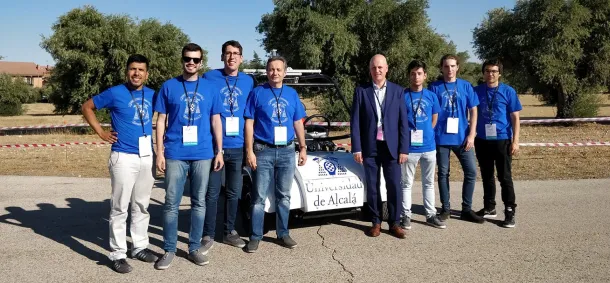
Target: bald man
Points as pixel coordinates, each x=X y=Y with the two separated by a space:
x=379 y=132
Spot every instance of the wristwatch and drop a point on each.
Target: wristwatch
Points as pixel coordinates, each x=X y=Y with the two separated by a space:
x=217 y=152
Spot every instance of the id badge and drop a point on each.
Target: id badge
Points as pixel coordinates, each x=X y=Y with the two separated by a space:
x=417 y=137
x=232 y=126
x=490 y=132
x=145 y=146
x=189 y=135
x=453 y=125
x=280 y=135
x=379 y=133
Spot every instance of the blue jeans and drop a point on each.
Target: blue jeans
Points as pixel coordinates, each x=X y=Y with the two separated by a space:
x=233 y=158
x=175 y=178
x=274 y=172
x=468 y=163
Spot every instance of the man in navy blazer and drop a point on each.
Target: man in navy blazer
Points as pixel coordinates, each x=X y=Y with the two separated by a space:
x=380 y=139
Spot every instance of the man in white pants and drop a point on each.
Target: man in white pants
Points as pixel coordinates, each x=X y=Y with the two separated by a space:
x=422 y=111
x=130 y=162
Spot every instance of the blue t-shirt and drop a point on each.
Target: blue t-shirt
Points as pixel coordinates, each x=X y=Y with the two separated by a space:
x=505 y=101
x=424 y=111
x=262 y=107
x=462 y=93
x=173 y=101
x=125 y=117
x=234 y=92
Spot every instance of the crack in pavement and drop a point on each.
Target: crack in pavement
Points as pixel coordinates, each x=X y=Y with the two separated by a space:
x=351 y=279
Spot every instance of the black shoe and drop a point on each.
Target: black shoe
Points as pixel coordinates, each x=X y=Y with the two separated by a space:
x=487 y=213
x=121 y=266
x=444 y=215
x=470 y=216
x=509 y=220
x=146 y=255
x=252 y=246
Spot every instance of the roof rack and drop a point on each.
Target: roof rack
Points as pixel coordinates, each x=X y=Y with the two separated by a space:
x=289 y=72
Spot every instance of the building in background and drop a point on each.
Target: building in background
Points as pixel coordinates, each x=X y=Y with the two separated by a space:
x=31 y=73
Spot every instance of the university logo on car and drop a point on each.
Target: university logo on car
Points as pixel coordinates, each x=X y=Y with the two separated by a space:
x=329 y=166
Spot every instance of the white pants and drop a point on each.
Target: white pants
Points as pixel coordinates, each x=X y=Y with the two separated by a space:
x=132 y=182
x=428 y=163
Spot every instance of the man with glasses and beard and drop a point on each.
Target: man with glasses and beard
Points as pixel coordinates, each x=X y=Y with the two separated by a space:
x=185 y=150
x=233 y=87
x=130 y=164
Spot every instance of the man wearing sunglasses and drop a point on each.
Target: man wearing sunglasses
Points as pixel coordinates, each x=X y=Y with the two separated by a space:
x=233 y=87
x=192 y=113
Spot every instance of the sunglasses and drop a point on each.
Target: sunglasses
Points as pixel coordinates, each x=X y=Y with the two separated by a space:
x=187 y=59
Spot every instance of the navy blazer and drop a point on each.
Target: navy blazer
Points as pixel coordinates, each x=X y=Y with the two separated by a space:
x=363 y=121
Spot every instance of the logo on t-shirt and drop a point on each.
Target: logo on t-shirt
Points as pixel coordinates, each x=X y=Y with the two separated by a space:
x=192 y=106
x=420 y=113
x=449 y=100
x=230 y=99
x=137 y=106
x=282 y=104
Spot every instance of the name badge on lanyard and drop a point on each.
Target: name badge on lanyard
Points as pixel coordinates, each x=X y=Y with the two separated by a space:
x=452 y=122
x=232 y=126
x=231 y=123
x=490 y=132
x=417 y=137
x=189 y=135
x=145 y=146
x=280 y=135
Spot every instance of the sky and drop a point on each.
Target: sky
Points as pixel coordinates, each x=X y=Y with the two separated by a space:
x=208 y=23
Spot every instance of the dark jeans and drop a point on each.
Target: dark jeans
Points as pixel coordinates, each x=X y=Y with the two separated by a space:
x=392 y=175
x=490 y=152
x=466 y=158
x=233 y=158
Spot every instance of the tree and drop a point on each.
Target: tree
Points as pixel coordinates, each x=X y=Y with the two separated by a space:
x=13 y=93
x=340 y=36
x=90 y=50
x=255 y=63
x=559 y=48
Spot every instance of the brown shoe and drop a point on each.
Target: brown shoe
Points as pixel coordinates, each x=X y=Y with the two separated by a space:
x=375 y=231
x=397 y=232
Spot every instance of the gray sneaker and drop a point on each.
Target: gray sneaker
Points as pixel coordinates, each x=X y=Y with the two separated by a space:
x=165 y=261
x=233 y=239
x=435 y=221
x=198 y=258
x=252 y=246
x=405 y=222
x=288 y=242
x=206 y=245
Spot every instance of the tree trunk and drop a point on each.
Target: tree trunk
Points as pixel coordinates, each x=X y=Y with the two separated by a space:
x=565 y=104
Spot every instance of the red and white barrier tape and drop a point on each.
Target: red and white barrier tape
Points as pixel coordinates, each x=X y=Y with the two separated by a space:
x=51 y=144
x=557 y=144
x=48 y=127
x=523 y=122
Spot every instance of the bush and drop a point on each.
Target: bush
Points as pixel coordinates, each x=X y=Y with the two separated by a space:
x=586 y=105
x=10 y=99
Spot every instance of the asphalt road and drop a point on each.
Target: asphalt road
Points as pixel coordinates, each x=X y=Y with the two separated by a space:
x=55 y=229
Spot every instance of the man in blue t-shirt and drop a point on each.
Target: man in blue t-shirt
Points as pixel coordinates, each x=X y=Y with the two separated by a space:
x=497 y=140
x=422 y=111
x=455 y=132
x=273 y=119
x=233 y=87
x=131 y=161
x=190 y=147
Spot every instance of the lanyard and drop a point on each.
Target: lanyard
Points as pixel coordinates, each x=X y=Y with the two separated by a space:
x=417 y=109
x=277 y=103
x=231 y=91
x=191 y=103
x=139 y=109
x=490 y=104
x=453 y=98
x=379 y=102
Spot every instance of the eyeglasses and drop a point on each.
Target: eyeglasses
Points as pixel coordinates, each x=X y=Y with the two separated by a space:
x=491 y=72
x=235 y=54
x=187 y=59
